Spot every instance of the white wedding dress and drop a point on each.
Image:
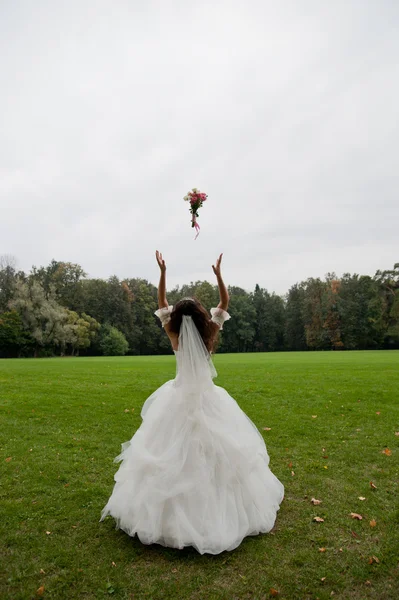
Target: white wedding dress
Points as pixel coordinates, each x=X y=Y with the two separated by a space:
x=196 y=471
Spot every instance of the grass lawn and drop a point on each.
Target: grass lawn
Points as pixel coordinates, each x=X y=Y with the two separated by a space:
x=332 y=419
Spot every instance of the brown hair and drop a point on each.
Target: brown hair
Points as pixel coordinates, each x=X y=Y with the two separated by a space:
x=208 y=330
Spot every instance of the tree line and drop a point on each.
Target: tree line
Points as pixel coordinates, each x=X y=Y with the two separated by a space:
x=58 y=310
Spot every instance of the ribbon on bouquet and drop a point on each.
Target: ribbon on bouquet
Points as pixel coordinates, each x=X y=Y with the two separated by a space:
x=195 y=224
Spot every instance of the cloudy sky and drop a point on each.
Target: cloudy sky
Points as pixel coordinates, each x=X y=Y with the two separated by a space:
x=285 y=113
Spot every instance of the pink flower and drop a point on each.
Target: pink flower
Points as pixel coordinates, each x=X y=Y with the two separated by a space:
x=196 y=199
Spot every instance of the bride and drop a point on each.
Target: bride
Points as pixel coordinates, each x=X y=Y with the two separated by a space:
x=196 y=471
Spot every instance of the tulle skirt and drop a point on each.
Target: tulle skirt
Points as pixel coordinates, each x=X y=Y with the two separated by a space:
x=195 y=473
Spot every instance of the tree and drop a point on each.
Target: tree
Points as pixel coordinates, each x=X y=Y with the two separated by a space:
x=207 y=294
x=80 y=331
x=239 y=338
x=8 y=277
x=295 y=335
x=145 y=335
x=57 y=309
x=65 y=279
x=388 y=282
x=95 y=292
x=332 y=319
x=316 y=337
x=269 y=322
x=41 y=314
x=14 y=339
x=361 y=312
x=113 y=342
x=392 y=331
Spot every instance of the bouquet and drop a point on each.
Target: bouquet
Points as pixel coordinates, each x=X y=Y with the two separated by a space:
x=196 y=199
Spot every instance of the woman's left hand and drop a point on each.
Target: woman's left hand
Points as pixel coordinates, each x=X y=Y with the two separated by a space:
x=160 y=261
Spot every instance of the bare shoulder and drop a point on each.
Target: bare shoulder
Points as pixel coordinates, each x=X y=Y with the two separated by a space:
x=174 y=338
x=215 y=328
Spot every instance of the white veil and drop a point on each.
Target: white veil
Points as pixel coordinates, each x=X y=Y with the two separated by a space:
x=194 y=363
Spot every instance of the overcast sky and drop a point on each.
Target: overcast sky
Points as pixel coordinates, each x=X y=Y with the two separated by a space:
x=284 y=112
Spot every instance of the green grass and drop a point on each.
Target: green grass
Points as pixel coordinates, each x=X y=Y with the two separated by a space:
x=62 y=424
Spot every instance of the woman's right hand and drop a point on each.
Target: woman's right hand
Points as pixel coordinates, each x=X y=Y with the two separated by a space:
x=160 y=261
x=217 y=269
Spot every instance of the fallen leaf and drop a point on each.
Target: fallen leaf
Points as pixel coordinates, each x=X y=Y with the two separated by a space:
x=354 y=534
x=322 y=549
x=40 y=591
x=373 y=523
x=340 y=550
x=314 y=416
x=396 y=432
x=318 y=519
x=323 y=579
x=356 y=516
x=8 y=459
x=66 y=485
x=42 y=572
x=126 y=410
x=292 y=473
x=314 y=501
x=113 y=564
x=387 y=451
x=373 y=559
x=48 y=532
x=74 y=526
x=362 y=498
x=325 y=456
x=325 y=467
x=372 y=485
x=273 y=592
x=289 y=465
x=368 y=582
x=267 y=429
x=174 y=570
x=378 y=412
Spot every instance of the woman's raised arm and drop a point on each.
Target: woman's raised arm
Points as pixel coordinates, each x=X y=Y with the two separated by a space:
x=162 y=301
x=224 y=295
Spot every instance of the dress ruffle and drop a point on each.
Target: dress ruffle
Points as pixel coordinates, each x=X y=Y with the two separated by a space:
x=194 y=474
